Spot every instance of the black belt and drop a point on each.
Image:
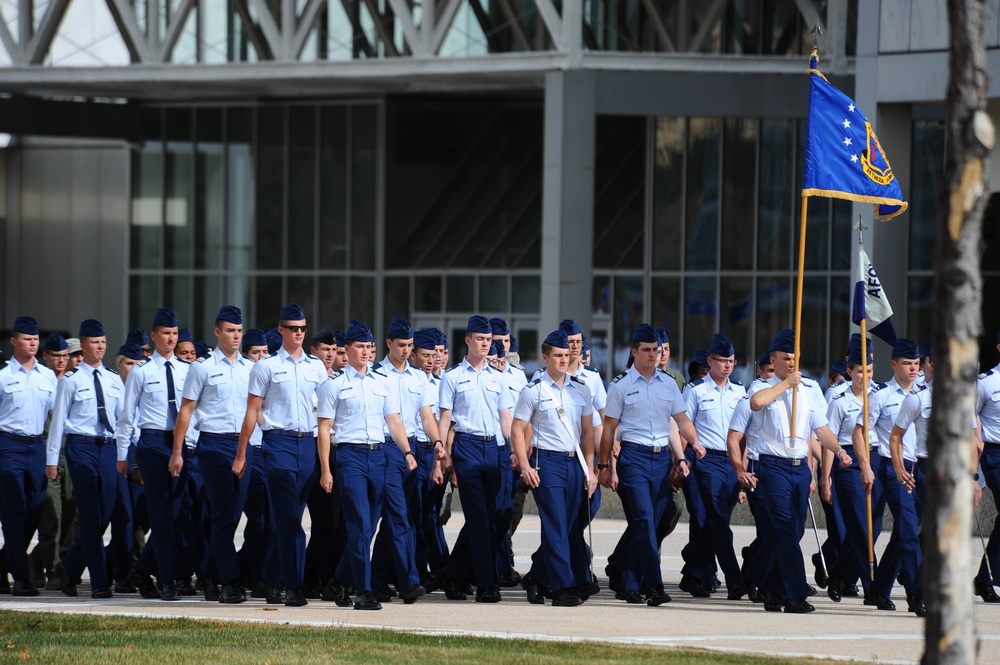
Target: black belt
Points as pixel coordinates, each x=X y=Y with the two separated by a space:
x=289 y=433
x=653 y=450
x=369 y=446
x=476 y=437
x=24 y=438
x=991 y=444
x=227 y=436
x=717 y=453
x=96 y=440
x=165 y=433
x=851 y=447
x=425 y=444
x=787 y=461
x=555 y=453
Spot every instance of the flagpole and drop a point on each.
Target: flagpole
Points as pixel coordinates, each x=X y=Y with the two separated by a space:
x=798 y=308
x=864 y=426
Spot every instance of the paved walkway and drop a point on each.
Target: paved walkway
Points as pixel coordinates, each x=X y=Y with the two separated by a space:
x=844 y=631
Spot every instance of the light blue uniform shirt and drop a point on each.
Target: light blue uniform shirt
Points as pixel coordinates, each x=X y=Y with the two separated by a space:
x=75 y=410
x=358 y=404
x=743 y=421
x=26 y=397
x=883 y=407
x=592 y=378
x=475 y=399
x=220 y=388
x=145 y=402
x=988 y=404
x=431 y=397
x=916 y=410
x=775 y=418
x=410 y=387
x=538 y=407
x=845 y=412
x=288 y=388
x=711 y=407
x=838 y=389
x=644 y=408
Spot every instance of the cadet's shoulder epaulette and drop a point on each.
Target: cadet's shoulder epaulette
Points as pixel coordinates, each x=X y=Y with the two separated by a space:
x=839 y=395
x=144 y=361
x=985 y=374
x=806 y=381
x=661 y=370
x=736 y=383
x=378 y=370
x=515 y=365
x=3 y=363
x=922 y=386
x=336 y=374
x=696 y=382
x=203 y=359
x=67 y=374
x=182 y=360
x=453 y=367
x=590 y=369
x=879 y=386
x=577 y=379
x=112 y=370
x=535 y=382
x=312 y=357
x=619 y=377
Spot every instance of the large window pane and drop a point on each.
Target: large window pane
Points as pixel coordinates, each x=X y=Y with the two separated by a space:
x=841 y=293
x=526 y=292
x=845 y=238
x=738 y=192
x=209 y=200
x=813 y=345
x=177 y=296
x=774 y=313
x=144 y=299
x=301 y=187
x=492 y=293
x=927 y=177
x=362 y=300
x=665 y=299
x=268 y=301
x=461 y=293
x=668 y=193
x=179 y=164
x=396 y=299
x=332 y=291
x=207 y=301
x=270 y=187
x=817 y=219
x=333 y=191
x=920 y=317
x=774 y=212
x=601 y=298
x=627 y=315
x=364 y=188
x=619 y=192
x=301 y=290
x=702 y=219
x=736 y=316
x=147 y=206
x=238 y=293
x=701 y=307
x=240 y=183
x=427 y=293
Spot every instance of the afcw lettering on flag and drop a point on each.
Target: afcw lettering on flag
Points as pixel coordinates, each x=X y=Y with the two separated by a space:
x=871 y=302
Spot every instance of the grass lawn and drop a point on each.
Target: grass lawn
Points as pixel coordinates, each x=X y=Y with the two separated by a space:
x=78 y=638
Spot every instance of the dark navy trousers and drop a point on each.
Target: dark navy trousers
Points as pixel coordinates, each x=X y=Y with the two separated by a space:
x=152 y=454
x=990 y=463
x=902 y=554
x=644 y=485
x=290 y=468
x=715 y=482
x=779 y=568
x=227 y=495
x=396 y=543
x=92 y=467
x=561 y=561
x=360 y=473
x=850 y=496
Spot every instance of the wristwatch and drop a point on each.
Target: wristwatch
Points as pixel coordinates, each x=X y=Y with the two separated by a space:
x=601 y=467
x=410 y=452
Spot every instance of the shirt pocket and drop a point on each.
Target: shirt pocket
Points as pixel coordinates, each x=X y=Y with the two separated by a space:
x=83 y=394
x=925 y=411
x=155 y=387
x=220 y=385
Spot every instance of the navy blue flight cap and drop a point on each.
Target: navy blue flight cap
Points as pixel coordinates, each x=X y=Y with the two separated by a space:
x=784 y=341
x=721 y=346
x=496 y=349
x=644 y=333
x=274 y=340
x=292 y=312
x=765 y=359
x=184 y=335
x=701 y=357
x=855 y=342
x=338 y=338
x=570 y=327
x=91 y=328
x=55 y=342
x=499 y=327
x=324 y=336
x=358 y=332
x=201 y=349
x=26 y=325
x=165 y=318
x=137 y=336
x=513 y=344
x=254 y=337
x=840 y=366
x=558 y=339
x=132 y=351
x=400 y=328
x=479 y=324
x=425 y=339
x=855 y=357
x=905 y=348
x=927 y=349
x=230 y=314
x=662 y=334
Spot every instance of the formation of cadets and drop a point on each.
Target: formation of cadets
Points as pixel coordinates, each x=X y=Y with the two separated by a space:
x=177 y=442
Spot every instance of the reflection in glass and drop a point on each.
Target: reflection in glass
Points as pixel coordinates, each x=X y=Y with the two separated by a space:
x=301 y=290
x=396 y=299
x=144 y=294
x=364 y=188
x=178 y=213
x=738 y=195
x=209 y=199
x=774 y=303
x=702 y=219
x=270 y=187
x=841 y=294
x=427 y=293
x=177 y=296
x=601 y=295
x=736 y=315
x=776 y=193
x=665 y=300
x=920 y=308
x=333 y=189
x=240 y=183
x=301 y=187
x=147 y=206
x=701 y=309
x=207 y=300
x=813 y=345
x=268 y=301
x=362 y=302
x=668 y=193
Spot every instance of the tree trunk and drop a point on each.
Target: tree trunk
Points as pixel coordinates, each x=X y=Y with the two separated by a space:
x=948 y=573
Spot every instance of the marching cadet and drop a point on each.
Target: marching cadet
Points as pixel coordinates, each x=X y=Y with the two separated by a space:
x=784 y=477
x=27 y=394
x=185 y=349
x=664 y=362
x=87 y=407
x=711 y=401
x=640 y=404
x=559 y=409
x=149 y=407
x=282 y=389
x=474 y=398
x=510 y=481
x=988 y=412
x=216 y=393
x=357 y=404
x=127 y=494
x=396 y=543
x=139 y=337
x=340 y=351
x=883 y=407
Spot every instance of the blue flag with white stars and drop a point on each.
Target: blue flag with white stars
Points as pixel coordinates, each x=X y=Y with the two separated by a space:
x=844 y=158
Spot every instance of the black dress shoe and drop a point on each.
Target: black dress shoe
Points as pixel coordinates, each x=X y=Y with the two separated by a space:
x=754 y=595
x=232 y=594
x=885 y=604
x=124 y=586
x=68 y=588
x=987 y=593
x=657 y=597
x=169 y=591
x=834 y=586
x=535 y=596
x=849 y=590
x=488 y=595
x=366 y=601
x=916 y=605
x=771 y=603
x=454 y=591
x=276 y=595
x=811 y=590
x=212 y=592
x=144 y=584
x=296 y=598
x=313 y=592
x=185 y=587
x=333 y=591
x=103 y=592
x=411 y=594
x=4 y=584
x=631 y=596
x=510 y=580
x=737 y=592
x=694 y=587
x=384 y=594
x=588 y=590
x=23 y=588
x=820 y=576
x=798 y=606
x=259 y=591
x=566 y=598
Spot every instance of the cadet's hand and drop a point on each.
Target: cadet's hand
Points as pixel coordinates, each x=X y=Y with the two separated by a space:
x=867 y=479
x=794 y=379
x=812 y=487
x=239 y=466
x=437 y=476
x=845 y=458
x=439 y=452
x=906 y=480
x=977 y=493
x=175 y=464
x=137 y=476
x=741 y=498
x=747 y=480
x=513 y=462
x=411 y=463
x=604 y=478
x=52 y=472
x=326 y=482
x=592 y=484
x=683 y=469
x=825 y=492
x=122 y=468
x=530 y=477
x=699 y=451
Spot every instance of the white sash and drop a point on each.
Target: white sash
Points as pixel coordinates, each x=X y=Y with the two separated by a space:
x=569 y=429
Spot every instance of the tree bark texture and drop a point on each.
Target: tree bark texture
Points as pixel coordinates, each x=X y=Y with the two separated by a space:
x=948 y=572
